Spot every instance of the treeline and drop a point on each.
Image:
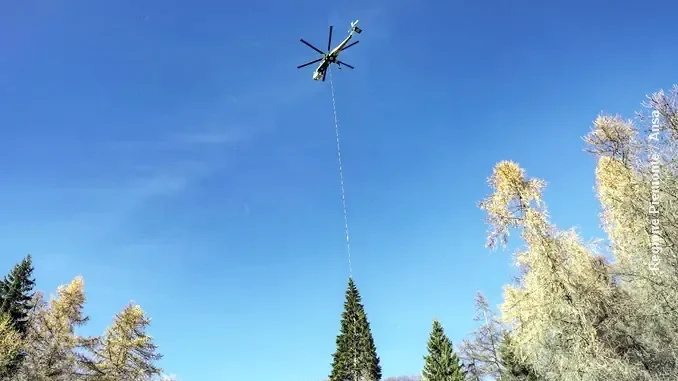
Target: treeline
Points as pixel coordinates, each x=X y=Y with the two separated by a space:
x=577 y=311
x=38 y=339
x=356 y=356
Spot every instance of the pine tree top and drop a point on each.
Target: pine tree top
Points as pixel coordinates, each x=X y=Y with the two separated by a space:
x=352 y=289
x=16 y=293
x=441 y=363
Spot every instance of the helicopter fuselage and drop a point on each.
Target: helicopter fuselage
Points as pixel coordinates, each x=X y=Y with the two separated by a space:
x=330 y=58
x=318 y=73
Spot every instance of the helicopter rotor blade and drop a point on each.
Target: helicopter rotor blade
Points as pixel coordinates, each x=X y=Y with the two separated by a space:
x=309 y=63
x=325 y=73
x=349 y=45
x=345 y=64
x=312 y=47
x=329 y=40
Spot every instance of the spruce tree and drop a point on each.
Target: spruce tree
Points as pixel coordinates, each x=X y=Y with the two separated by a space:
x=441 y=363
x=15 y=304
x=514 y=369
x=356 y=356
x=16 y=294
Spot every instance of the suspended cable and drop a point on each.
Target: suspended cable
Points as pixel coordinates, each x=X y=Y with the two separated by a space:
x=341 y=176
x=356 y=338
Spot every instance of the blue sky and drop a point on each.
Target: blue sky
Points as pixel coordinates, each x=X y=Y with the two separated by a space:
x=173 y=155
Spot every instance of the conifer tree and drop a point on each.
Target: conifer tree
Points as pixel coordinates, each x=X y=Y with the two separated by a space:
x=562 y=307
x=52 y=343
x=441 y=363
x=15 y=304
x=513 y=369
x=16 y=294
x=356 y=356
x=125 y=352
x=637 y=184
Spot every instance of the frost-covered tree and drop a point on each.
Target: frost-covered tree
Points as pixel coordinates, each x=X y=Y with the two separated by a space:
x=43 y=334
x=10 y=345
x=480 y=352
x=576 y=314
x=637 y=184
x=125 y=352
x=52 y=342
x=564 y=297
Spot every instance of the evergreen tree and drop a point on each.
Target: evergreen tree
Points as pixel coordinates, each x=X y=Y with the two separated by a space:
x=441 y=363
x=15 y=304
x=356 y=356
x=513 y=368
x=16 y=294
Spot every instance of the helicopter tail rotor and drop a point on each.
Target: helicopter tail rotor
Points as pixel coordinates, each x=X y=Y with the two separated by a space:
x=354 y=28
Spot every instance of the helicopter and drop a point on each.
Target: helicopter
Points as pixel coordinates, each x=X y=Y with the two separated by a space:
x=331 y=56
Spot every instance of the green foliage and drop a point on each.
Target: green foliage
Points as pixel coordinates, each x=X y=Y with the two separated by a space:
x=38 y=339
x=513 y=368
x=441 y=363
x=356 y=355
x=16 y=293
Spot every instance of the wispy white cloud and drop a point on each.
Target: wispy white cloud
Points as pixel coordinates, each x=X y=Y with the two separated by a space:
x=198 y=144
x=164 y=167
x=156 y=185
x=185 y=140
